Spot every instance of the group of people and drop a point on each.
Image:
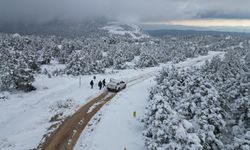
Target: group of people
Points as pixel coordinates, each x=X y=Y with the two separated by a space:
x=101 y=84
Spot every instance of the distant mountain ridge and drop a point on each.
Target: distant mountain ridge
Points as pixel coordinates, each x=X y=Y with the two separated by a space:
x=175 y=32
x=71 y=29
x=56 y=27
x=238 y=29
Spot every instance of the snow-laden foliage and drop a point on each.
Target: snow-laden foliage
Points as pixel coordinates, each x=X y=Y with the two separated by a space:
x=232 y=79
x=201 y=108
x=146 y=60
x=194 y=121
x=82 y=62
x=18 y=64
x=22 y=56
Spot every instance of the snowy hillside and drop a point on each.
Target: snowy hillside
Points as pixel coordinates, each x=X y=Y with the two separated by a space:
x=72 y=29
x=131 y=30
x=57 y=27
x=44 y=80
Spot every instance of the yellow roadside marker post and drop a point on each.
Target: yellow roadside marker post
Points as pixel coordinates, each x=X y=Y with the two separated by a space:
x=134 y=114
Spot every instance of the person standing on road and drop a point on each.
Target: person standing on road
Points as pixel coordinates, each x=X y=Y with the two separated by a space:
x=103 y=83
x=91 y=84
x=100 y=85
x=94 y=77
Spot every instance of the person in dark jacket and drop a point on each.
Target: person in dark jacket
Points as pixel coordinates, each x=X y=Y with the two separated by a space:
x=103 y=83
x=100 y=85
x=94 y=77
x=91 y=84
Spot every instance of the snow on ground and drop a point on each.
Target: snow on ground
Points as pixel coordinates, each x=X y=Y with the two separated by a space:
x=26 y=117
x=120 y=29
x=198 y=61
x=118 y=128
x=94 y=106
x=114 y=127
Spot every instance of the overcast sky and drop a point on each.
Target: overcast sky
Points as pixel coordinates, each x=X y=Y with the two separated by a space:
x=123 y=10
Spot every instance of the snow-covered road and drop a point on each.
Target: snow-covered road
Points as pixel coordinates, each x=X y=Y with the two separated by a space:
x=114 y=127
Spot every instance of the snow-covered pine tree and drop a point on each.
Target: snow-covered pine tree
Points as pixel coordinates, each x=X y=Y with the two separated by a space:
x=231 y=78
x=165 y=126
x=15 y=72
x=146 y=60
x=81 y=63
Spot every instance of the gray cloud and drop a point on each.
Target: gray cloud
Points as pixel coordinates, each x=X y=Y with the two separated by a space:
x=124 y=10
x=223 y=9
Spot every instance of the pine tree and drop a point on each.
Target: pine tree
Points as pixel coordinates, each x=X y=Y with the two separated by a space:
x=15 y=72
x=146 y=61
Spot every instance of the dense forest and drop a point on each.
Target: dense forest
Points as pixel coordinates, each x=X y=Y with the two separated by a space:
x=202 y=108
x=22 y=56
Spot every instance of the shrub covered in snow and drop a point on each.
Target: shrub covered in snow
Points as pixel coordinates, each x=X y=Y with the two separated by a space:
x=62 y=108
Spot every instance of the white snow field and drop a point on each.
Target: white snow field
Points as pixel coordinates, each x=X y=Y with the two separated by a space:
x=114 y=127
x=25 y=117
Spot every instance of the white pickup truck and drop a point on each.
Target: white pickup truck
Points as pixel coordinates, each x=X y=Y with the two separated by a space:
x=116 y=85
